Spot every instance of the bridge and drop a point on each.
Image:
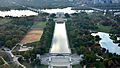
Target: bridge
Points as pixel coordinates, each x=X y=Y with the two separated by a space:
x=105 y=8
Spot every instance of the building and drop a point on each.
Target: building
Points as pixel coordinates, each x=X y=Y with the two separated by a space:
x=115 y=1
x=105 y=1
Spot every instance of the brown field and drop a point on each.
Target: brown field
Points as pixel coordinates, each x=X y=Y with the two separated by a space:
x=32 y=36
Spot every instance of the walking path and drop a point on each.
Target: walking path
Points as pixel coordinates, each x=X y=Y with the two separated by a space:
x=4 y=60
x=15 y=59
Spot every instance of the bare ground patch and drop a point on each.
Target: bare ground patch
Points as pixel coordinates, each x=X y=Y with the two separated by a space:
x=32 y=36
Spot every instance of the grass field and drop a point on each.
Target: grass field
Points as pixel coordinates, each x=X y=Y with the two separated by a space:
x=28 y=65
x=32 y=36
x=77 y=66
x=40 y=25
x=102 y=28
x=10 y=66
x=5 y=56
x=4 y=21
x=35 y=33
x=1 y=61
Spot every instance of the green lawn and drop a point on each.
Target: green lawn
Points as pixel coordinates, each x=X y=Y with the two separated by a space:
x=5 y=56
x=4 y=21
x=43 y=66
x=28 y=65
x=102 y=28
x=77 y=66
x=10 y=66
x=1 y=61
x=39 y=25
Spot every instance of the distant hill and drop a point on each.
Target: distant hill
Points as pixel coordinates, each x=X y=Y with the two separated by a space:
x=34 y=3
x=47 y=3
x=5 y=3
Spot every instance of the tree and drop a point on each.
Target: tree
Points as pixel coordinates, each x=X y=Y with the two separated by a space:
x=53 y=15
x=9 y=44
x=103 y=50
x=97 y=38
x=119 y=45
x=90 y=57
x=82 y=49
x=15 y=40
x=67 y=15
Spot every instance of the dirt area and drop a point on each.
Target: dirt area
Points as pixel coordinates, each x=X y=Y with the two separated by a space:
x=32 y=36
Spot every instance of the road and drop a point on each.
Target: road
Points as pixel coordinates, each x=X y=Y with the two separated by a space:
x=14 y=58
x=4 y=60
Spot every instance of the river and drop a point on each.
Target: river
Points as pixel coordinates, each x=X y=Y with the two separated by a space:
x=64 y=10
x=22 y=13
x=18 y=13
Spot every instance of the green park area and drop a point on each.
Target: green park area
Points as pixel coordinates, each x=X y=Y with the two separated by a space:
x=40 y=25
x=102 y=28
x=4 y=21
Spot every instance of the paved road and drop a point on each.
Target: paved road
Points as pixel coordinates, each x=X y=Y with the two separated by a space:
x=14 y=58
x=4 y=60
